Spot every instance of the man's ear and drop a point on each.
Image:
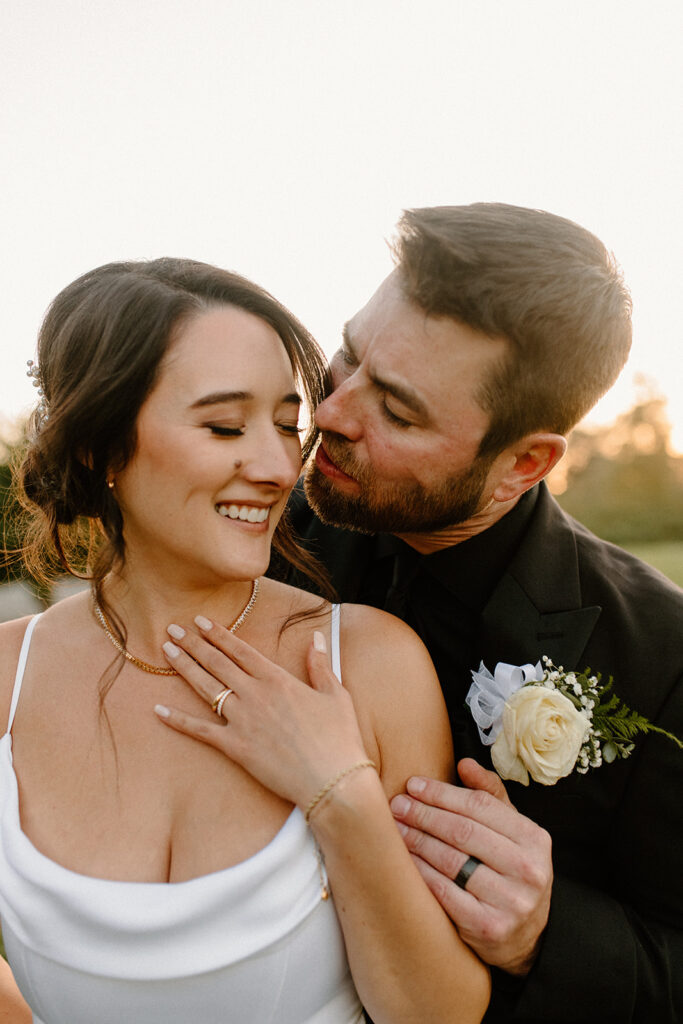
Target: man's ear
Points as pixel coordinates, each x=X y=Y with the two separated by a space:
x=526 y=462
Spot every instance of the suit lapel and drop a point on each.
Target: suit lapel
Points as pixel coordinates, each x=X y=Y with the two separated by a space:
x=513 y=629
x=536 y=608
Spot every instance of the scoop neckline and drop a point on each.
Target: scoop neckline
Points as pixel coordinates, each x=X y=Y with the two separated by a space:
x=197 y=880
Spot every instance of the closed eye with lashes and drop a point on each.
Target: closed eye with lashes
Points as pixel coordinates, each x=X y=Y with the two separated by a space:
x=225 y=431
x=393 y=418
x=288 y=428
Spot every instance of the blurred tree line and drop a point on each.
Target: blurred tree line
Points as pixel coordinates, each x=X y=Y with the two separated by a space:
x=623 y=481
x=10 y=446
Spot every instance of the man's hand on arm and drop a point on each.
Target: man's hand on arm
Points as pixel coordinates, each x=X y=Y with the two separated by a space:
x=504 y=909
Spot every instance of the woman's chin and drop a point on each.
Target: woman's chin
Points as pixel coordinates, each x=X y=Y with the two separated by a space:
x=235 y=571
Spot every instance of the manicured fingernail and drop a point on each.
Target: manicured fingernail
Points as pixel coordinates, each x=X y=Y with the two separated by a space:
x=162 y=711
x=171 y=650
x=319 y=641
x=203 y=623
x=177 y=632
x=400 y=805
x=416 y=785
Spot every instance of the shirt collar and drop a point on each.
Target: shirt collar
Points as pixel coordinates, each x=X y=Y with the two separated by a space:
x=471 y=569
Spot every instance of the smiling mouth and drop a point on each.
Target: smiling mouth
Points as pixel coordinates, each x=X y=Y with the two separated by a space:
x=245 y=513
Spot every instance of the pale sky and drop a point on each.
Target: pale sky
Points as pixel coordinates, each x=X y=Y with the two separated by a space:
x=282 y=139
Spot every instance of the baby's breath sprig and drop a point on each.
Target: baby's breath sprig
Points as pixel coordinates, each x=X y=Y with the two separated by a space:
x=612 y=725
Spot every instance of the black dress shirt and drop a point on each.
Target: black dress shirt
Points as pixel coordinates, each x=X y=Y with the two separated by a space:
x=441 y=596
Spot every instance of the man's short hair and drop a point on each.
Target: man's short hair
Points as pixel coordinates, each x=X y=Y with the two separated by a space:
x=548 y=286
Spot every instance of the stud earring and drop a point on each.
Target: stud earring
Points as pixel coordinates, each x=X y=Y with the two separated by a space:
x=110 y=484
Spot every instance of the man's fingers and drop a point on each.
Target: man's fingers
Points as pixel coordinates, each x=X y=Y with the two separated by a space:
x=478 y=825
x=484 y=883
x=482 y=926
x=432 y=831
x=477 y=804
x=504 y=908
x=462 y=906
x=474 y=776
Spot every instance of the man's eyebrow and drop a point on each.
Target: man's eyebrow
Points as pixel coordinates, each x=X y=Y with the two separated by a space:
x=225 y=397
x=406 y=395
x=346 y=338
x=402 y=392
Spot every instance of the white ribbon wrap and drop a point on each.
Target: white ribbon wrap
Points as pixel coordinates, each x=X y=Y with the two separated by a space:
x=488 y=693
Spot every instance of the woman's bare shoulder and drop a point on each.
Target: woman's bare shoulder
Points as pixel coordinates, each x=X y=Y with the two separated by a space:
x=60 y=618
x=383 y=658
x=369 y=630
x=12 y=635
x=396 y=691
x=11 y=638
x=284 y=600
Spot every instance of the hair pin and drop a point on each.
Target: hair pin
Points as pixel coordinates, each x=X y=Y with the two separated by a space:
x=33 y=373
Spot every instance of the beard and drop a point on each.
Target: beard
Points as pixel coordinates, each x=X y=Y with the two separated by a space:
x=383 y=507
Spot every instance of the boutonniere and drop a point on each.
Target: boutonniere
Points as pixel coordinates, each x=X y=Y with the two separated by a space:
x=543 y=722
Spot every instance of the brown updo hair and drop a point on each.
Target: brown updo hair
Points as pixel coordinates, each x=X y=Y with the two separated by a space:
x=100 y=349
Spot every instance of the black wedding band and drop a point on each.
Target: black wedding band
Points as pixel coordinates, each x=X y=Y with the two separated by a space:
x=466 y=871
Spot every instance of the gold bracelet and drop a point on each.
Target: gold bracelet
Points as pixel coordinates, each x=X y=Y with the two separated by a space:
x=332 y=783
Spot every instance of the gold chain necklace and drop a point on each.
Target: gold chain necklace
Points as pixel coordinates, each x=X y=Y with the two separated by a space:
x=154 y=669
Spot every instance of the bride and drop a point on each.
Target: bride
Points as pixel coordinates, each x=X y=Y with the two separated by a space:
x=143 y=876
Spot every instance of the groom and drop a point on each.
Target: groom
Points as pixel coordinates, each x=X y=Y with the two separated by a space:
x=453 y=393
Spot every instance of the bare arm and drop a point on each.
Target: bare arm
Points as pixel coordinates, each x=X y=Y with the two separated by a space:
x=407 y=959
x=13 y=1009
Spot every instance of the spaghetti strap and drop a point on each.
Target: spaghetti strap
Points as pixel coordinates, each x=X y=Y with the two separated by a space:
x=334 y=637
x=18 y=679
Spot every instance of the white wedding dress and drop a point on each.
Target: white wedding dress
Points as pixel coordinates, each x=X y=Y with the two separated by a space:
x=252 y=943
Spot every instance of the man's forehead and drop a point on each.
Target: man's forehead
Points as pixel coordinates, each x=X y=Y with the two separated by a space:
x=382 y=308
x=393 y=333
x=403 y=346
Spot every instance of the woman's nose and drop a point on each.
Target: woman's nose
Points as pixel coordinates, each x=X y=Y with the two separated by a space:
x=275 y=460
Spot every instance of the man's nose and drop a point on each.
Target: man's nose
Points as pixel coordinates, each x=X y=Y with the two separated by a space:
x=339 y=413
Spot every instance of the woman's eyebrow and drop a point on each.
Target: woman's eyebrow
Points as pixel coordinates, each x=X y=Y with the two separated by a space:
x=218 y=397
x=222 y=397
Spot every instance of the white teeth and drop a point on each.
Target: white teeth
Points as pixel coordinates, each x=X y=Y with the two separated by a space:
x=247 y=513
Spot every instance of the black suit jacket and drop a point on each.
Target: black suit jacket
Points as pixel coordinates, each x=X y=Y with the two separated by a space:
x=613 y=947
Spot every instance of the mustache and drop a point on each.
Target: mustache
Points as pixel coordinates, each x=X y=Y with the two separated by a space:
x=340 y=452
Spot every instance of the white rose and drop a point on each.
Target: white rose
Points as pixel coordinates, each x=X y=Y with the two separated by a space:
x=542 y=735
